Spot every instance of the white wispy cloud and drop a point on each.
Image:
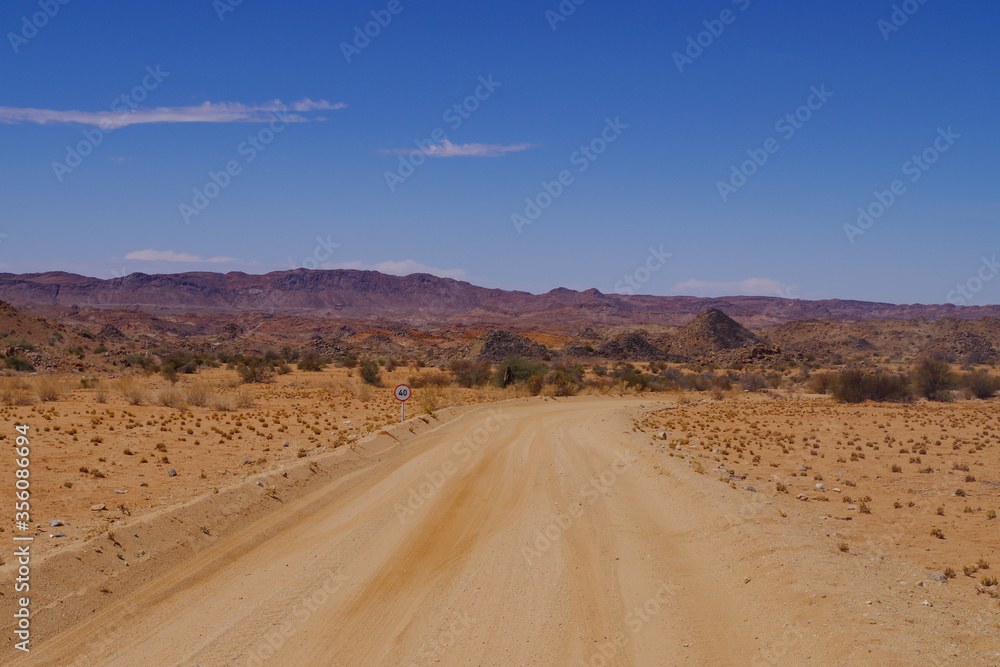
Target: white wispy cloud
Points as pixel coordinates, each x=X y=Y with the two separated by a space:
x=394 y=268
x=448 y=149
x=150 y=255
x=208 y=112
x=748 y=287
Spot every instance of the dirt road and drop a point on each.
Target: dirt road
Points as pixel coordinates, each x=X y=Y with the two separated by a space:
x=538 y=533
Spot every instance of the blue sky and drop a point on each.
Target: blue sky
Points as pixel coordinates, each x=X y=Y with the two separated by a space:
x=161 y=96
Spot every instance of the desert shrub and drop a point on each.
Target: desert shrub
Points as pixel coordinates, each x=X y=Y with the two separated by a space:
x=244 y=398
x=50 y=388
x=222 y=402
x=170 y=373
x=100 y=392
x=139 y=361
x=855 y=386
x=288 y=354
x=131 y=390
x=100 y=349
x=519 y=370
x=752 y=382
x=254 y=370
x=198 y=393
x=311 y=361
x=19 y=342
x=349 y=361
x=562 y=381
x=369 y=372
x=429 y=380
x=170 y=397
x=932 y=379
x=698 y=381
x=722 y=383
x=18 y=364
x=981 y=384
x=822 y=383
x=471 y=373
x=15 y=391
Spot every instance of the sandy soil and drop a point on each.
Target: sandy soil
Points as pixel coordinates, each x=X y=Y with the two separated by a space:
x=568 y=532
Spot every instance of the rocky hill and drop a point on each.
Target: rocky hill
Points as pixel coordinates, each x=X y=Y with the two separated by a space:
x=712 y=331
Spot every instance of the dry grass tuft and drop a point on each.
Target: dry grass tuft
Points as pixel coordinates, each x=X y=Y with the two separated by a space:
x=15 y=391
x=170 y=397
x=198 y=394
x=131 y=390
x=50 y=388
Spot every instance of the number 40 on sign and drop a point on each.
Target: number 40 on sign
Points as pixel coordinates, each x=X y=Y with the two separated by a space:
x=402 y=393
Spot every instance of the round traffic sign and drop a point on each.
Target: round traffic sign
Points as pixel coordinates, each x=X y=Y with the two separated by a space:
x=402 y=392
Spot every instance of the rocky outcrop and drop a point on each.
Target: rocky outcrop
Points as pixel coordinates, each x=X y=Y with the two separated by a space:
x=710 y=332
x=497 y=345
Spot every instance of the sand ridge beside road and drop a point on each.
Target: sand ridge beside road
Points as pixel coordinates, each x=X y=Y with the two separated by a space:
x=554 y=534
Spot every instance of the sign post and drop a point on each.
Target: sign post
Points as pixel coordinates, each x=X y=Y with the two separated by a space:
x=402 y=393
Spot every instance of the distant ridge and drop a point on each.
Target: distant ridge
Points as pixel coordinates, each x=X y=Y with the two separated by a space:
x=425 y=299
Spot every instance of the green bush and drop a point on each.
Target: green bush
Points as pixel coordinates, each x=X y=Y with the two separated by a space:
x=254 y=370
x=20 y=342
x=981 y=384
x=517 y=370
x=170 y=373
x=855 y=386
x=564 y=381
x=932 y=379
x=139 y=361
x=471 y=373
x=311 y=361
x=369 y=372
x=18 y=364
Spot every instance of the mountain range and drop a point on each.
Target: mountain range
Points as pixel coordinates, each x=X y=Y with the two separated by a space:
x=423 y=299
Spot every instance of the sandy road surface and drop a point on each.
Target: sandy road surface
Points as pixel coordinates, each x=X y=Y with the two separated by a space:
x=538 y=533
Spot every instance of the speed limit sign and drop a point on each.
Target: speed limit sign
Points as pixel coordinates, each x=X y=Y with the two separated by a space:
x=402 y=393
